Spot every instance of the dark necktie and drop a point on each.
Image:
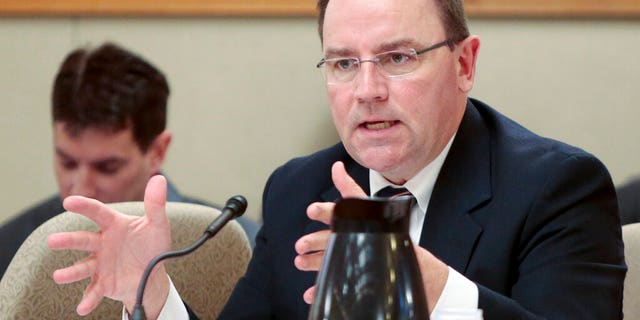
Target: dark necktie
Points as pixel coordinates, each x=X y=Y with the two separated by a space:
x=392 y=192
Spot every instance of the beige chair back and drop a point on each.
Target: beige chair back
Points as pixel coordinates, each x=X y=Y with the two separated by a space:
x=631 y=302
x=205 y=278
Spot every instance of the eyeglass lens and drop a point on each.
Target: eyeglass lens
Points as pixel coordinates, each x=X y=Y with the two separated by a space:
x=393 y=63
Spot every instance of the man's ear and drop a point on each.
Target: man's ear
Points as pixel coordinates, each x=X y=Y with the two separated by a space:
x=467 y=56
x=158 y=150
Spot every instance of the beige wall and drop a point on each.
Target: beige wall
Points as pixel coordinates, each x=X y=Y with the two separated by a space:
x=246 y=96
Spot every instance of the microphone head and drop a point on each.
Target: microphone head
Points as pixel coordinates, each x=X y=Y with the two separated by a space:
x=237 y=204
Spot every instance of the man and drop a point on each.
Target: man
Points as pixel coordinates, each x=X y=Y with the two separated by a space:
x=520 y=226
x=109 y=109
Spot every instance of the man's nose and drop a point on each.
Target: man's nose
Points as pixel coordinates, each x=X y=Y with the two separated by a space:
x=84 y=183
x=371 y=85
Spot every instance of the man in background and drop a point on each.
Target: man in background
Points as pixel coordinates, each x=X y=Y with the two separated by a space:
x=109 y=110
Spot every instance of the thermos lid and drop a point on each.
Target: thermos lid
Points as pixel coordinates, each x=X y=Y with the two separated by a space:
x=373 y=214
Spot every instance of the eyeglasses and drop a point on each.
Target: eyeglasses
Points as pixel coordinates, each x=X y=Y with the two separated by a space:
x=390 y=64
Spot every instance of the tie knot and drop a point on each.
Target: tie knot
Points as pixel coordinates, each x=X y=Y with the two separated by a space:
x=392 y=192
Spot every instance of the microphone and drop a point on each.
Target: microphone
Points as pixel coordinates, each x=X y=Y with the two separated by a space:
x=234 y=208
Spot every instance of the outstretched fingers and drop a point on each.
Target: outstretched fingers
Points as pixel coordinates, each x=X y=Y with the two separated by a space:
x=78 y=271
x=321 y=211
x=93 y=209
x=119 y=251
x=90 y=299
x=310 y=295
x=311 y=247
x=155 y=199
x=77 y=240
x=348 y=187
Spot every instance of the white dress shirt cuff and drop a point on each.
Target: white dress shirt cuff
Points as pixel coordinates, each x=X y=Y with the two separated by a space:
x=173 y=308
x=458 y=293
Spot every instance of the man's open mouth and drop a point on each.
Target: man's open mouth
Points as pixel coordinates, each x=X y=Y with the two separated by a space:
x=379 y=125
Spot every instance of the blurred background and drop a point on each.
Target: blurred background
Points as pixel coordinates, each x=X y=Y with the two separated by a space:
x=246 y=96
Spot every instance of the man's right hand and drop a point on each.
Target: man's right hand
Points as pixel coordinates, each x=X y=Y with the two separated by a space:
x=434 y=272
x=311 y=247
x=119 y=251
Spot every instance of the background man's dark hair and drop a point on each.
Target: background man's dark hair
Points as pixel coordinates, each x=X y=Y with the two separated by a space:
x=451 y=15
x=110 y=89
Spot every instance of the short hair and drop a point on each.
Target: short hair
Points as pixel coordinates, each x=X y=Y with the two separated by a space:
x=110 y=89
x=451 y=15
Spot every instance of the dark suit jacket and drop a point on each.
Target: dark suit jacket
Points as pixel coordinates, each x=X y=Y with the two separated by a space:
x=532 y=221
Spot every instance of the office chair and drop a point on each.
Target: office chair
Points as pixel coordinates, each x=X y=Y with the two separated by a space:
x=204 y=278
x=631 y=302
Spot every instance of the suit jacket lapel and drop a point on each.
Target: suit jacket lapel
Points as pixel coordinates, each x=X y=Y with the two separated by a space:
x=464 y=183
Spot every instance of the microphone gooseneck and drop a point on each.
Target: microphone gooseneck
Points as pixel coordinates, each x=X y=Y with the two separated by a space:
x=234 y=208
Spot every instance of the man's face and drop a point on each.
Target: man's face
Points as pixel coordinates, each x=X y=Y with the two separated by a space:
x=106 y=166
x=397 y=125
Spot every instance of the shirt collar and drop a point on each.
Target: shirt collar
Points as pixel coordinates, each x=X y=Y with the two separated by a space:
x=421 y=185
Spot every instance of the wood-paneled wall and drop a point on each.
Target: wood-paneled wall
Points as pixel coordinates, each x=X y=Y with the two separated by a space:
x=475 y=8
